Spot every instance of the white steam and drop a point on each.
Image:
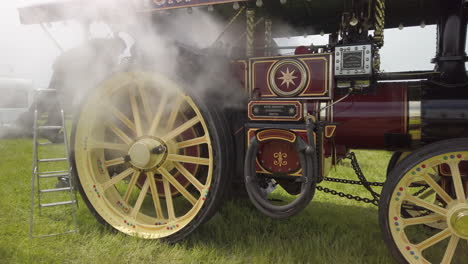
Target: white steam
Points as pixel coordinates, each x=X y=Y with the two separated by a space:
x=154 y=41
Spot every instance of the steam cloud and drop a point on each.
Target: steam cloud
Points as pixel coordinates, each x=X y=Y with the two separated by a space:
x=175 y=43
x=165 y=42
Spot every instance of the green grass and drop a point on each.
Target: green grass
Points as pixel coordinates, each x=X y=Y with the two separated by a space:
x=329 y=230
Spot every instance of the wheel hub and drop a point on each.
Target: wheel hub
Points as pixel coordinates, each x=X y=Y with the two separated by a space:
x=459 y=221
x=147 y=153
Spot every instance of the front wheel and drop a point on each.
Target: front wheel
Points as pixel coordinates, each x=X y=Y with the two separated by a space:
x=432 y=184
x=147 y=156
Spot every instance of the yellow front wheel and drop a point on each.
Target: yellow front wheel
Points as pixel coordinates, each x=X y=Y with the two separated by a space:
x=423 y=211
x=147 y=156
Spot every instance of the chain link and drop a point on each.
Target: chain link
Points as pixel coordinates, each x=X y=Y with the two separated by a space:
x=362 y=181
x=347 y=195
x=337 y=180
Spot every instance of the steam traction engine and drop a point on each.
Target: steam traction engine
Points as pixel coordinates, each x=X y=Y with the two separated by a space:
x=154 y=155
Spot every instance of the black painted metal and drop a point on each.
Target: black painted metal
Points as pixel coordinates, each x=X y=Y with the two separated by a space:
x=444 y=112
x=450 y=56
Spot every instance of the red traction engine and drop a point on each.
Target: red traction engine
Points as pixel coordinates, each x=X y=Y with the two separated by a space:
x=155 y=154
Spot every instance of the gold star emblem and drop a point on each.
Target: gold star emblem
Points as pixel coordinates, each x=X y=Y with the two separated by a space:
x=288 y=77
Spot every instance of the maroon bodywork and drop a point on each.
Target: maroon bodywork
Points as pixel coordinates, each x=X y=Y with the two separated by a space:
x=365 y=119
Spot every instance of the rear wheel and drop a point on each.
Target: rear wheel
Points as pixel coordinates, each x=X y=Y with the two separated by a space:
x=147 y=156
x=417 y=195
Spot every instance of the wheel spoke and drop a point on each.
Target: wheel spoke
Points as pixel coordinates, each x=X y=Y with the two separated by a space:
x=131 y=185
x=423 y=220
x=169 y=203
x=140 y=199
x=450 y=251
x=159 y=112
x=116 y=179
x=174 y=113
x=179 y=130
x=192 y=142
x=437 y=188
x=144 y=101
x=425 y=204
x=118 y=132
x=189 y=176
x=177 y=185
x=155 y=195
x=426 y=194
x=119 y=115
x=107 y=145
x=114 y=162
x=433 y=239
x=457 y=182
x=135 y=111
x=188 y=159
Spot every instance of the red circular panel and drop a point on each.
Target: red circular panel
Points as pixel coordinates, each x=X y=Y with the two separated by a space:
x=278 y=156
x=288 y=77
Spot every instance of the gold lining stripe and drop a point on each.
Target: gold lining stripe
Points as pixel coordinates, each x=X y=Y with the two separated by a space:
x=324 y=56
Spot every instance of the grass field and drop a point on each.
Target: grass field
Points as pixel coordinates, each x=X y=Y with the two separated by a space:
x=329 y=230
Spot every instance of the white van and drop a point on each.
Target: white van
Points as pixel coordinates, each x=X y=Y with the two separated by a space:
x=16 y=97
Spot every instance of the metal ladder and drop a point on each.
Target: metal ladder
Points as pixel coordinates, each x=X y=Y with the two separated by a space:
x=64 y=175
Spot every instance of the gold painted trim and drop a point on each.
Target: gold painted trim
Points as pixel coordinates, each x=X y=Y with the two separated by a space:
x=305 y=77
x=294 y=56
x=297 y=173
x=252 y=72
x=333 y=129
x=259 y=134
x=297 y=117
x=327 y=80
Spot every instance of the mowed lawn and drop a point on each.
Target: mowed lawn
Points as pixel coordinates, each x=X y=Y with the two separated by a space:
x=330 y=230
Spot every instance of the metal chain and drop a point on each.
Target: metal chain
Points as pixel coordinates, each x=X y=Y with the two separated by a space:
x=337 y=180
x=362 y=181
x=362 y=178
x=421 y=191
x=348 y=196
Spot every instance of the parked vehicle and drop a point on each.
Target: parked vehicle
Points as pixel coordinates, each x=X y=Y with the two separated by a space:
x=159 y=143
x=16 y=97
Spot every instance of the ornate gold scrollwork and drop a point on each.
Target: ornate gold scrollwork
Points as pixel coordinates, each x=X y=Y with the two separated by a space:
x=280 y=156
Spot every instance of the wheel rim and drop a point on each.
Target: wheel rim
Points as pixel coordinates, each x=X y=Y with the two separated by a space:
x=444 y=209
x=148 y=127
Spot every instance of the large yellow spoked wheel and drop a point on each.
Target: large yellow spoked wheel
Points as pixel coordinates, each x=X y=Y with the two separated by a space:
x=435 y=199
x=147 y=156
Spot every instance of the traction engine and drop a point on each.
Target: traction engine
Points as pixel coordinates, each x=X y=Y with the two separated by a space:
x=155 y=154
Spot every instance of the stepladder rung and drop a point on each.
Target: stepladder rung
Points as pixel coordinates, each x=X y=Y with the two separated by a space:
x=55 y=190
x=51 y=172
x=50 y=127
x=62 y=193
x=58 y=203
x=52 y=160
x=54 y=175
